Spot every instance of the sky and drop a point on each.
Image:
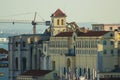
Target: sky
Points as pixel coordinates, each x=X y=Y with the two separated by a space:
x=99 y=11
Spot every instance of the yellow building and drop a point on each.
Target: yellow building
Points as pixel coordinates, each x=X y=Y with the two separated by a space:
x=83 y=53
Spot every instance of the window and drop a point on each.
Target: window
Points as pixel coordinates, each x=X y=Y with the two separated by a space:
x=62 y=22
x=118 y=28
x=16 y=63
x=111 y=42
x=118 y=51
x=32 y=42
x=24 y=63
x=105 y=52
x=16 y=44
x=35 y=61
x=111 y=35
x=58 y=22
x=89 y=73
x=112 y=51
x=24 y=44
x=64 y=70
x=80 y=72
x=53 y=65
x=111 y=28
x=104 y=42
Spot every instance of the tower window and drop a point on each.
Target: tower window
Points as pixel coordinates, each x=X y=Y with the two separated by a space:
x=62 y=22
x=58 y=22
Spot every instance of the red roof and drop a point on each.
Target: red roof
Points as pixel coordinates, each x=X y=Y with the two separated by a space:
x=64 y=34
x=92 y=33
x=58 y=13
x=36 y=72
x=89 y=33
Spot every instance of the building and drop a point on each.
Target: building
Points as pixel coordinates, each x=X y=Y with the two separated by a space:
x=105 y=27
x=21 y=53
x=3 y=64
x=68 y=51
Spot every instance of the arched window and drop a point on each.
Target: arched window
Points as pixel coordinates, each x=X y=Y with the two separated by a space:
x=62 y=22
x=53 y=65
x=35 y=61
x=24 y=44
x=16 y=44
x=80 y=72
x=88 y=73
x=24 y=63
x=16 y=63
x=58 y=22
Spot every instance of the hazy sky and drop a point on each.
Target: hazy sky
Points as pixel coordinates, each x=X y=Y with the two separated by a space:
x=101 y=11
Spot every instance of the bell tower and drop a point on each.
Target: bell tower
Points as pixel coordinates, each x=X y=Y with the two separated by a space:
x=58 y=25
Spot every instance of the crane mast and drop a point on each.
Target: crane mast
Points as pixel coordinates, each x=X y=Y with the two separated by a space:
x=34 y=24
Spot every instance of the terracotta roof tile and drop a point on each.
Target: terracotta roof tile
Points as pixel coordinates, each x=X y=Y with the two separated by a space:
x=92 y=33
x=58 y=13
x=64 y=34
x=89 y=33
x=36 y=72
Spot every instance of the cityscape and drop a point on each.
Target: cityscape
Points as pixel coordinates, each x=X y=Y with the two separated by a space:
x=59 y=40
x=64 y=51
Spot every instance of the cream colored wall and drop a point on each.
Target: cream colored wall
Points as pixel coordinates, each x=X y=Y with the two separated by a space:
x=107 y=27
x=86 y=61
x=54 y=19
x=58 y=28
x=59 y=61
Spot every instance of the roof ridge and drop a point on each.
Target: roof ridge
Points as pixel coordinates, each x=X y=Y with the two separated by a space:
x=58 y=13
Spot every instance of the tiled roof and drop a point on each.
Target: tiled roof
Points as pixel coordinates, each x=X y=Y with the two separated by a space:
x=64 y=34
x=36 y=72
x=89 y=33
x=92 y=33
x=3 y=51
x=58 y=13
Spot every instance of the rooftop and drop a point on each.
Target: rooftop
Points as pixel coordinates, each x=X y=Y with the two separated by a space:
x=58 y=13
x=89 y=33
x=36 y=72
x=64 y=34
x=92 y=33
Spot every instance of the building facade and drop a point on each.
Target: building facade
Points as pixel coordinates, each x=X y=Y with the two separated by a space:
x=3 y=64
x=105 y=27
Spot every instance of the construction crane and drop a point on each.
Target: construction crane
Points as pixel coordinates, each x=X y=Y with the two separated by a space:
x=33 y=22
